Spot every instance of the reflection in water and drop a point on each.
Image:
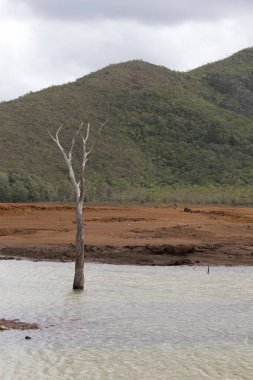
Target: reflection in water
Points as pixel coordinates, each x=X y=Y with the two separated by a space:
x=130 y=322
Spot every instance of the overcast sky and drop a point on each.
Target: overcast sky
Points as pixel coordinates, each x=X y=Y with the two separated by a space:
x=46 y=42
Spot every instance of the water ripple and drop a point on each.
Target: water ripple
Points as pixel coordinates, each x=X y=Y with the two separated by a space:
x=130 y=323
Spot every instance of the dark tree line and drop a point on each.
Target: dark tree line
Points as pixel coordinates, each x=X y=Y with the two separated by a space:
x=18 y=186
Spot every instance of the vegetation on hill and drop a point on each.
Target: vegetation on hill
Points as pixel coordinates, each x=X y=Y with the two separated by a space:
x=165 y=130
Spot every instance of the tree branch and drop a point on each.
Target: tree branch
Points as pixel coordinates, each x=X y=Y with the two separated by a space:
x=96 y=140
x=74 y=139
x=79 y=186
x=68 y=159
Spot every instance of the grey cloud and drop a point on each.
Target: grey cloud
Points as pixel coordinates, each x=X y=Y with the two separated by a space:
x=52 y=42
x=146 y=11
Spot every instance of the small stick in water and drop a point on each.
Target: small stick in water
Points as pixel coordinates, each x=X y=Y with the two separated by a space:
x=208 y=270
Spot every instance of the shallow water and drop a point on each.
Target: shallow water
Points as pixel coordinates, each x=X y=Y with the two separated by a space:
x=130 y=323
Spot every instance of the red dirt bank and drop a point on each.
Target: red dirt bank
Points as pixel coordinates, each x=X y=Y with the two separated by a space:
x=205 y=235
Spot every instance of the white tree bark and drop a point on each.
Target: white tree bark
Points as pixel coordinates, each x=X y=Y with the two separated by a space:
x=79 y=190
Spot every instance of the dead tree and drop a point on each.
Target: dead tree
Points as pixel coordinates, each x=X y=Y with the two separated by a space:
x=78 y=184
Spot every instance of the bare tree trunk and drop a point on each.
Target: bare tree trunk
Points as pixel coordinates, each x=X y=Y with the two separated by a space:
x=79 y=190
x=78 y=283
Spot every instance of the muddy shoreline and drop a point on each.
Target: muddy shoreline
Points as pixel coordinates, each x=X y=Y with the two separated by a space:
x=129 y=234
x=162 y=255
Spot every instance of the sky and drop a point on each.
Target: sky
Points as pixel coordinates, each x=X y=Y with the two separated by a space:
x=49 y=42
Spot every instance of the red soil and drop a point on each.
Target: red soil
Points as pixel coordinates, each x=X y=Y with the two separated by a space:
x=155 y=235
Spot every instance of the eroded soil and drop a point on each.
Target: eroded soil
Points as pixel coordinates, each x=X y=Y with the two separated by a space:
x=161 y=235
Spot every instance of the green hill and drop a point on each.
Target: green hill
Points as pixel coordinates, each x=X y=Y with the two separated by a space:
x=165 y=131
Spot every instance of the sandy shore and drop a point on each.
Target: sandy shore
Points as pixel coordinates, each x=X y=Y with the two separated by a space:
x=204 y=235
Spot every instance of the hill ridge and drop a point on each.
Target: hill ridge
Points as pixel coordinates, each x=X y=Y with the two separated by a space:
x=165 y=128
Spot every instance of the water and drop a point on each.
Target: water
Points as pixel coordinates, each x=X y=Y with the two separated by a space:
x=131 y=323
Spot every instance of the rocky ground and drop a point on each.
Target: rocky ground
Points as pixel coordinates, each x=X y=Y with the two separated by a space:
x=15 y=324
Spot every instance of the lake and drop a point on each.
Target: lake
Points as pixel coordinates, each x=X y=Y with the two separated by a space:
x=131 y=322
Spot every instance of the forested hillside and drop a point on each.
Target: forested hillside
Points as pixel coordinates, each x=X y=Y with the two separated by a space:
x=166 y=131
